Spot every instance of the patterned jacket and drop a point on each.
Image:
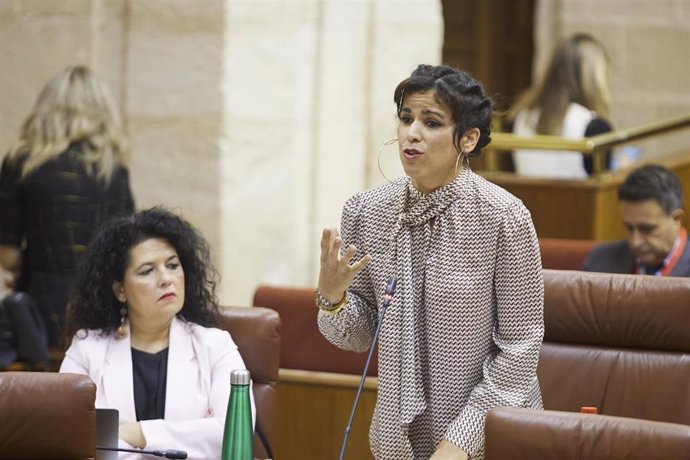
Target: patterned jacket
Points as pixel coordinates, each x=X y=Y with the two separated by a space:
x=470 y=339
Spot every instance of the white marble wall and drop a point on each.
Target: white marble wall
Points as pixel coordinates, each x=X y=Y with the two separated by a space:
x=306 y=106
x=174 y=106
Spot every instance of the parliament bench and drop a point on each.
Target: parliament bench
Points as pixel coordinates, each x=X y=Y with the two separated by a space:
x=564 y=254
x=523 y=434
x=617 y=342
x=318 y=382
x=47 y=415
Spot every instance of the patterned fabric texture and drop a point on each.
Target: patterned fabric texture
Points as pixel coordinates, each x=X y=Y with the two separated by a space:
x=52 y=214
x=463 y=333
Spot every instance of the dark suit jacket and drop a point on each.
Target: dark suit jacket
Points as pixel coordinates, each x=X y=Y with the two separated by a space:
x=616 y=258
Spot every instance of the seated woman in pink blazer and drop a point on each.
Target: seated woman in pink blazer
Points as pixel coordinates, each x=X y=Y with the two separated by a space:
x=142 y=316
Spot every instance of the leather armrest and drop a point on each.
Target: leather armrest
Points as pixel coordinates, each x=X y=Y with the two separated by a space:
x=529 y=434
x=47 y=415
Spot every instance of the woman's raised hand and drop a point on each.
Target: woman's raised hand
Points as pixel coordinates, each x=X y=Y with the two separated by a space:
x=337 y=272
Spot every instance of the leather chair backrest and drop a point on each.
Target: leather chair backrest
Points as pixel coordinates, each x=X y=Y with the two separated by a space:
x=617 y=342
x=523 y=434
x=256 y=331
x=564 y=254
x=304 y=347
x=47 y=415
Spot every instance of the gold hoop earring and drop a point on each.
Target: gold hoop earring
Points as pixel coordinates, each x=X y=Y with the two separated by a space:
x=461 y=154
x=378 y=159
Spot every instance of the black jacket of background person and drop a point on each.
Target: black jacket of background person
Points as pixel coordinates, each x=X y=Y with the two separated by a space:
x=52 y=214
x=616 y=258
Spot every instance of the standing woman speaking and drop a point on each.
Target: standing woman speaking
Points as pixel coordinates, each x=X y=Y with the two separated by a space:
x=65 y=176
x=463 y=334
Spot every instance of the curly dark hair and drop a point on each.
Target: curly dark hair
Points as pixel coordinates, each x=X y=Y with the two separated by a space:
x=459 y=92
x=93 y=304
x=653 y=182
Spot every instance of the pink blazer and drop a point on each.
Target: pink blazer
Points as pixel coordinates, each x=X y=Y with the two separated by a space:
x=200 y=360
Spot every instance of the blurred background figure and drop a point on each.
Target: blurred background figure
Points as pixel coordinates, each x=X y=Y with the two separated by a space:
x=65 y=175
x=651 y=201
x=571 y=100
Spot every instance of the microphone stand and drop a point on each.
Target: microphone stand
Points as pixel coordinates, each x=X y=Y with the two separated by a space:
x=176 y=454
x=387 y=298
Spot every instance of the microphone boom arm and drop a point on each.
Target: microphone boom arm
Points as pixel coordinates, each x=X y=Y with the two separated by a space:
x=387 y=298
x=175 y=454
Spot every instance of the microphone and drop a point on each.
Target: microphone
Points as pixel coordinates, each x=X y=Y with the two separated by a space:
x=387 y=299
x=178 y=454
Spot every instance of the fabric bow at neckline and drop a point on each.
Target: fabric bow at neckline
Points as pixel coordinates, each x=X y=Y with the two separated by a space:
x=405 y=378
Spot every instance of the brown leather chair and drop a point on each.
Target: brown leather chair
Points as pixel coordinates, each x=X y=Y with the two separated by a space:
x=617 y=342
x=47 y=415
x=256 y=331
x=308 y=350
x=318 y=382
x=564 y=254
x=523 y=434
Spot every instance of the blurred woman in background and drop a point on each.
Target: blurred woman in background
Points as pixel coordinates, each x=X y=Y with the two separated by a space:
x=65 y=175
x=571 y=100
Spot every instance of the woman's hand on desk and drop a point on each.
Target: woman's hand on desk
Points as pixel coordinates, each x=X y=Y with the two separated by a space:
x=337 y=272
x=131 y=433
x=448 y=451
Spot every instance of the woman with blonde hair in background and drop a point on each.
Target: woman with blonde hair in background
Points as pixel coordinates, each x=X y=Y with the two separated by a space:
x=571 y=100
x=65 y=175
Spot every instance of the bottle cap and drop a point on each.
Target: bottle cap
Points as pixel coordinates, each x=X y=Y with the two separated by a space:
x=588 y=410
x=239 y=377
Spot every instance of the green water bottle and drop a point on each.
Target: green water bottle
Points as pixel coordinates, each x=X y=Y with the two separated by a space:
x=238 y=437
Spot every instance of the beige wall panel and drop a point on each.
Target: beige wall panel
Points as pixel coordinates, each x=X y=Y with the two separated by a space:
x=656 y=64
x=268 y=144
x=306 y=105
x=394 y=52
x=173 y=98
x=38 y=39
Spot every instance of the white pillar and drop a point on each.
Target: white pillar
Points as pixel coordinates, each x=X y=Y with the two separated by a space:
x=307 y=97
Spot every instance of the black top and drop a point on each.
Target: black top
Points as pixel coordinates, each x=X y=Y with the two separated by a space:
x=57 y=207
x=597 y=126
x=52 y=214
x=150 y=372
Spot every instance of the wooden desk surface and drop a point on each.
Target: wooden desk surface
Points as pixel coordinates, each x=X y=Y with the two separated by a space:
x=582 y=209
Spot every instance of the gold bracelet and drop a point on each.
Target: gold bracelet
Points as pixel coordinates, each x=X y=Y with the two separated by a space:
x=327 y=307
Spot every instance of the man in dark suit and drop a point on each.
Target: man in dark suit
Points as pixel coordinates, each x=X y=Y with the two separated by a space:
x=651 y=200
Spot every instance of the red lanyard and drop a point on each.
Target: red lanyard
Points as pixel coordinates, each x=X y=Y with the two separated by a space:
x=671 y=260
x=677 y=252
